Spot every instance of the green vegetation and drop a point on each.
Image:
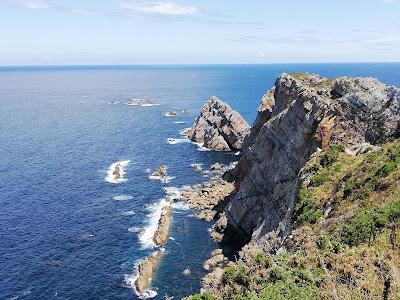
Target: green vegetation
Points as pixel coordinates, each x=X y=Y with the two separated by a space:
x=202 y=296
x=366 y=224
x=345 y=241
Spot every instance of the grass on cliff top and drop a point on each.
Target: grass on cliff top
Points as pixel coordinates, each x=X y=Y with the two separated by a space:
x=325 y=83
x=346 y=238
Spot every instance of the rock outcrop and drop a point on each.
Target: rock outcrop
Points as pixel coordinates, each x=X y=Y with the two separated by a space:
x=301 y=114
x=219 y=127
x=146 y=269
x=209 y=197
x=162 y=233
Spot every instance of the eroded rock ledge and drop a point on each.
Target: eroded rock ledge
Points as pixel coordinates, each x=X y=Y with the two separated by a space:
x=219 y=127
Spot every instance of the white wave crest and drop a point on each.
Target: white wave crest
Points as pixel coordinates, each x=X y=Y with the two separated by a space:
x=146 y=236
x=128 y=213
x=134 y=229
x=130 y=283
x=179 y=122
x=172 y=141
x=122 y=198
x=180 y=205
x=163 y=179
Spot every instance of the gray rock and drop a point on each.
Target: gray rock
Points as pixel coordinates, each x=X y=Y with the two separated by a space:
x=300 y=115
x=219 y=127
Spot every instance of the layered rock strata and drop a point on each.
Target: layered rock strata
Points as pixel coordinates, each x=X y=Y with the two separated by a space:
x=299 y=115
x=219 y=127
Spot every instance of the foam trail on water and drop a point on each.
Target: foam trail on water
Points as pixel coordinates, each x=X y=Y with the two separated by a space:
x=116 y=172
x=172 y=141
x=122 y=198
x=146 y=236
x=179 y=122
x=184 y=131
x=128 y=213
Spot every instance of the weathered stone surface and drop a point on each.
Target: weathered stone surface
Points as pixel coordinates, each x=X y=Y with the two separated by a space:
x=146 y=269
x=212 y=280
x=162 y=233
x=301 y=114
x=219 y=127
x=207 y=197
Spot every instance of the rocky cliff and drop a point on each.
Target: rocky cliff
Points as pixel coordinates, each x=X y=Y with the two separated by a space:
x=301 y=115
x=219 y=127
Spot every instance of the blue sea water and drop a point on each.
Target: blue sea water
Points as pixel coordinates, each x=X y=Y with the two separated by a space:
x=62 y=233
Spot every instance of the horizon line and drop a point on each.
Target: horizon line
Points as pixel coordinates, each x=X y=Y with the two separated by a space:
x=194 y=64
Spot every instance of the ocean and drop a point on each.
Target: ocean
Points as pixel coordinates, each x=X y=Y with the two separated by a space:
x=66 y=232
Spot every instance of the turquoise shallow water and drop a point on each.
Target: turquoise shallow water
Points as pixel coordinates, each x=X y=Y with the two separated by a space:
x=62 y=233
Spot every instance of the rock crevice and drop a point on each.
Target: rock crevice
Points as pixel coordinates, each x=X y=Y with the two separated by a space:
x=299 y=115
x=219 y=127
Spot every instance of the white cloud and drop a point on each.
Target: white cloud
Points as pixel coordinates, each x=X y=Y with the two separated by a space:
x=261 y=53
x=160 y=8
x=34 y=4
x=84 y=12
x=389 y=1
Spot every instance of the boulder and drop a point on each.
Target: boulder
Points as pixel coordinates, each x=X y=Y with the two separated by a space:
x=219 y=127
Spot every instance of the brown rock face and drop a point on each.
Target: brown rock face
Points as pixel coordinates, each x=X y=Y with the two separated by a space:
x=162 y=233
x=219 y=127
x=146 y=270
x=300 y=114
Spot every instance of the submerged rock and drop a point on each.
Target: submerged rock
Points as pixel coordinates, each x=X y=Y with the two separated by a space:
x=187 y=272
x=219 y=127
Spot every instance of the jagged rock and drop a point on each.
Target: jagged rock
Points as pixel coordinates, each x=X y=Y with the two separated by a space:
x=216 y=167
x=146 y=269
x=300 y=115
x=213 y=261
x=197 y=167
x=162 y=233
x=219 y=127
x=161 y=171
x=212 y=280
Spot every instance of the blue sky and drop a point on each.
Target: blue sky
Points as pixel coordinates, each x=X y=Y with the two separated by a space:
x=48 y=32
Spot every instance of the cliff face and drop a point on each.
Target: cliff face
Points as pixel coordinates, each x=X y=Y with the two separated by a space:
x=219 y=127
x=300 y=115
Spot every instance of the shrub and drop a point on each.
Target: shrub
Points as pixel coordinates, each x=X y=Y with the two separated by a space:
x=364 y=226
x=386 y=169
x=306 y=209
x=202 y=296
x=331 y=154
x=320 y=178
x=229 y=274
x=323 y=243
x=263 y=260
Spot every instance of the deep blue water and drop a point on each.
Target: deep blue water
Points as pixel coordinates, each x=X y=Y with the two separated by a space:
x=62 y=235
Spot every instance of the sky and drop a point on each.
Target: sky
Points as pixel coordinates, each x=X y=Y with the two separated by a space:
x=125 y=32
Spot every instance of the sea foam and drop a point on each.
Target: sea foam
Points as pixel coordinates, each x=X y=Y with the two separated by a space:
x=111 y=177
x=146 y=236
x=122 y=198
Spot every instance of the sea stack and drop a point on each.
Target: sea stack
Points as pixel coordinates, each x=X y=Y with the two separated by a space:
x=162 y=233
x=219 y=127
x=146 y=270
